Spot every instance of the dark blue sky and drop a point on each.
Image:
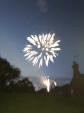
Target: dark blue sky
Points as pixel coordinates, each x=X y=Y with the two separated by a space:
x=21 y=18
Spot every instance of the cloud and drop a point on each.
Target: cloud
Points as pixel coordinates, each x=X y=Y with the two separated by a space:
x=43 y=5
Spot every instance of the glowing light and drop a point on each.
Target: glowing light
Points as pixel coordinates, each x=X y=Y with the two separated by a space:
x=42 y=49
x=47 y=82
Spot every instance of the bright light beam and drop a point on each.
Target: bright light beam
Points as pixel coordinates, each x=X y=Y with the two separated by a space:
x=47 y=82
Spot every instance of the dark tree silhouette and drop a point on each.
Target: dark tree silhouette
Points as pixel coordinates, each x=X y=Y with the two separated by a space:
x=7 y=72
x=25 y=85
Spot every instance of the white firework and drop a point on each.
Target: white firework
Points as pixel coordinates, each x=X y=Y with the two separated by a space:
x=41 y=49
x=47 y=82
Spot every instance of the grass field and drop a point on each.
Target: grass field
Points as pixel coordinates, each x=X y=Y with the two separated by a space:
x=39 y=103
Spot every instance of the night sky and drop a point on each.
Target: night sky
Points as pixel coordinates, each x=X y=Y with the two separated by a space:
x=21 y=18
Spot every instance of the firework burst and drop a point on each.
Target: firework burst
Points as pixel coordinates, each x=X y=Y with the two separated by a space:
x=41 y=49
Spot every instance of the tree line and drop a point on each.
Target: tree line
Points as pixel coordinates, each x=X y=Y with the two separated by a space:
x=10 y=78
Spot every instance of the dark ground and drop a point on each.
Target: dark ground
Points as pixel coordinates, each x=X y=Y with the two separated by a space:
x=40 y=103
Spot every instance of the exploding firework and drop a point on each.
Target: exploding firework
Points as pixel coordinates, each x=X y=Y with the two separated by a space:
x=47 y=82
x=42 y=49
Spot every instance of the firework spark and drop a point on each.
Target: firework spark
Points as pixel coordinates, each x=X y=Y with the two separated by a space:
x=47 y=82
x=42 y=49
